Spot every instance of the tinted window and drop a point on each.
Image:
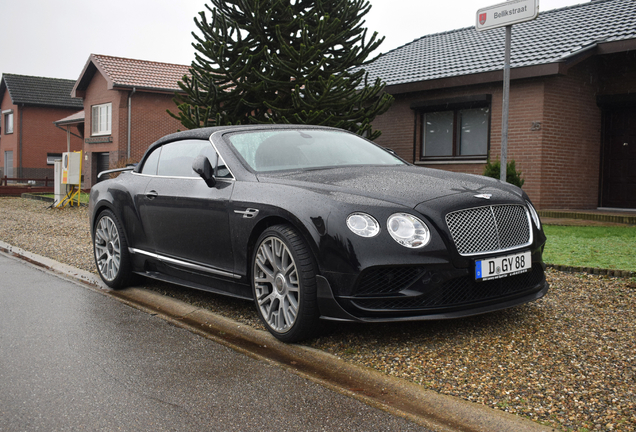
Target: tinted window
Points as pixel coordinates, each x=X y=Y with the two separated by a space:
x=176 y=158
x=150 y=166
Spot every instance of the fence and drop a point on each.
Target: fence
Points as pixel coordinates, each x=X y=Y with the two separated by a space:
x=4 y=181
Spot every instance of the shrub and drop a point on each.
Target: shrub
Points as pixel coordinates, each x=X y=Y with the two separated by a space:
x=513 y=176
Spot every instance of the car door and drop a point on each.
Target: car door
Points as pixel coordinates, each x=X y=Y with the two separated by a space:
x=187 y=220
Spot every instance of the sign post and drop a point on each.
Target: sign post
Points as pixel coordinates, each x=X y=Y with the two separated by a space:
x=500 y=15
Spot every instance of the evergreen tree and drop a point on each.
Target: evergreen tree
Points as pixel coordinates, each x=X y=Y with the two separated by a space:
x=283 y=61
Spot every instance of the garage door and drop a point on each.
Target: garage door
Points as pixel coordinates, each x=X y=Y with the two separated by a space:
x=101 y=164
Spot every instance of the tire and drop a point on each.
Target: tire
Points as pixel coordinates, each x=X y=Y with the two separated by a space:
x=110 y=249
x=284 y=284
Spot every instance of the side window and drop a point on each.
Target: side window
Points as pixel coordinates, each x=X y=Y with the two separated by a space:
x=176 y=158
x=150 y=166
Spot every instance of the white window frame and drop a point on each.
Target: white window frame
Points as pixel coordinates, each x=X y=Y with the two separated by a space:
x=8 y=122
x=101 y=119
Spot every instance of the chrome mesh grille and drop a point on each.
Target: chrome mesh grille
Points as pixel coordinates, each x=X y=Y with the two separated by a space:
x=489 y=229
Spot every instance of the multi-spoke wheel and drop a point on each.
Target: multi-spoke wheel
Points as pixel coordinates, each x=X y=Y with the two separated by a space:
x=284 y=284
x=111 y=251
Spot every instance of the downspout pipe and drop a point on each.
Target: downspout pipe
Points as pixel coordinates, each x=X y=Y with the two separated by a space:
x=20 y=141
x=129 y=120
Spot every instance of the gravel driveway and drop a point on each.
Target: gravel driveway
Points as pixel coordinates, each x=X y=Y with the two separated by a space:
x=568 y=360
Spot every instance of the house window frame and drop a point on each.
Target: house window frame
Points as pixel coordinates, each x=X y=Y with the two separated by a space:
x=100 y=127
x=454 y=105
x=8 y=124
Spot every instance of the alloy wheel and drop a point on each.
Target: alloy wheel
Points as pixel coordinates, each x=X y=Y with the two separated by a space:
x=107 y=248
x=277 y=285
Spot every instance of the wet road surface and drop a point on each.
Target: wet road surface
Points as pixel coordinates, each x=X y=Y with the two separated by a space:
x=74 y=359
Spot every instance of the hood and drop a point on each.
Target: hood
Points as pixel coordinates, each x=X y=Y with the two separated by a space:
x=402 y=185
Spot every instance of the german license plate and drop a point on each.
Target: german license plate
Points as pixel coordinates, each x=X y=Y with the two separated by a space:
x=502 y=266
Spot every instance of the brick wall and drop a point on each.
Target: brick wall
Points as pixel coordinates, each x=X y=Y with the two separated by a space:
x=40 y=136
x=571 y=132
x=150 y=121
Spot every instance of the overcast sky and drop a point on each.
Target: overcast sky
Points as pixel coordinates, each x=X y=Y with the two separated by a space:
x=55 y=38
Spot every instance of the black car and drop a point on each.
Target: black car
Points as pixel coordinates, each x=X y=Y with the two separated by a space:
x=317 y=223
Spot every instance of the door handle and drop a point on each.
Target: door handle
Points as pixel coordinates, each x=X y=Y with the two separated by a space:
x=152 y=194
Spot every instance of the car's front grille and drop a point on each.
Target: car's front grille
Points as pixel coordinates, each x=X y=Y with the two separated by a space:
x=490 y=229
x=457 y=292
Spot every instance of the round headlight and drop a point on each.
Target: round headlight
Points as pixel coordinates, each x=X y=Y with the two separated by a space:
x=408 y=230
x=534 y=214
x=363 y=224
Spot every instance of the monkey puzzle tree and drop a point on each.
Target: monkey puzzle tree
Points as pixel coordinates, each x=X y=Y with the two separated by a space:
x=282 y=61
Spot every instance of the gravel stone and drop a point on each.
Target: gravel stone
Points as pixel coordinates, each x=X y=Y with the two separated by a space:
x=567 y=360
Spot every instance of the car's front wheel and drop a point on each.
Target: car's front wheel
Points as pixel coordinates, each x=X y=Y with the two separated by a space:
x=284 y=284
x=111 y=251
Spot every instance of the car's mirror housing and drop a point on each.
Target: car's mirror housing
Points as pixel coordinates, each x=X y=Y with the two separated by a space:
x=203 y=166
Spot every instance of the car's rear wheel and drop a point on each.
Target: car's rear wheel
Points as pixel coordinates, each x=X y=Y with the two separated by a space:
x=284 y=284
x=111 y=251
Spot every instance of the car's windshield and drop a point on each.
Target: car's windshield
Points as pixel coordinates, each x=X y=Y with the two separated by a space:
x=306 y=148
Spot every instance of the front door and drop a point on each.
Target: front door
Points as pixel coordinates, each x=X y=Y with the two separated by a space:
x=618 y=181
x=186 y=220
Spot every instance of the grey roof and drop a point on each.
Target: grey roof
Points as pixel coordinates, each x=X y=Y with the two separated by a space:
x=553 y=37
x=40 y=91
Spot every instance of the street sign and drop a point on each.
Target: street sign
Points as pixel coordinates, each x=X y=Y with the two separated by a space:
x=507 y=13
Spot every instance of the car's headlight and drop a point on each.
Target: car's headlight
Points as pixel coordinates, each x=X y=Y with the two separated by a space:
x=408 y=230
x=534 y=214
x=363 y=224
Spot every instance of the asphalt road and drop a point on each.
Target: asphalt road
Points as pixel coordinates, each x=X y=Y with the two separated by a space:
x=72 y=358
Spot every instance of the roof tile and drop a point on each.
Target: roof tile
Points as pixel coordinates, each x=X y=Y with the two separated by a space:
x=40 y=91
x=125 y=72
x=550 y=38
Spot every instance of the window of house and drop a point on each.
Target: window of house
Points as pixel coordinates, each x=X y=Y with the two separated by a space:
x=456 y=133
x=454 y=129
x=101 y=116
x=8 y=122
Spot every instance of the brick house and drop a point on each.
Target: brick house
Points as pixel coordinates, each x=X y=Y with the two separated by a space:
x=125 y=103
x=572 y=118
x=29 y=141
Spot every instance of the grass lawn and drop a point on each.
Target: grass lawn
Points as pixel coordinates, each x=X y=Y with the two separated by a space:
x=592 y=246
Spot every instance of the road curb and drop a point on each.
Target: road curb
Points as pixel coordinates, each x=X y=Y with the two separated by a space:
x=395 y=395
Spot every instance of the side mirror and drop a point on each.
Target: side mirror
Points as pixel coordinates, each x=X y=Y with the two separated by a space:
x=205 y=168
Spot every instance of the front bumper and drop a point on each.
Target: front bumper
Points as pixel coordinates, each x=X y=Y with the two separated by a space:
x=412 y=293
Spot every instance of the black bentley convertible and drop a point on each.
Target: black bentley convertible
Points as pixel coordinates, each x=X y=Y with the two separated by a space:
x=317 y=223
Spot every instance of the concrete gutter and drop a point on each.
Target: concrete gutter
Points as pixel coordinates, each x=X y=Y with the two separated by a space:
x=399 y=397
